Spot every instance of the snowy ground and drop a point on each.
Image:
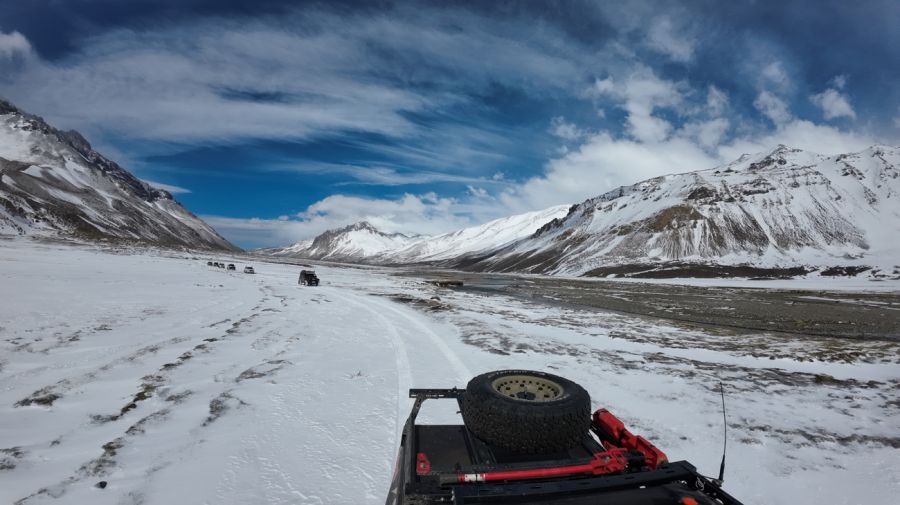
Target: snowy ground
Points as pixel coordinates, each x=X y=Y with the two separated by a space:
x=179 y=383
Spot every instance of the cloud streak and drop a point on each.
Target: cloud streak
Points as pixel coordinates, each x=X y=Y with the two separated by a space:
x=423 y=119
x=311 y=73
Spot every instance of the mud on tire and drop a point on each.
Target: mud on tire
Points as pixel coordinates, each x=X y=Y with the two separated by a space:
x=526 y=411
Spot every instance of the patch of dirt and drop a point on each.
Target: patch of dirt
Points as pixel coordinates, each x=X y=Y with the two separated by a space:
x=10 y=457
x=806 y=438
x=44 y=396
x=138 y=428
x=264 y=370
x=221 y=404
x=178 y=398
x=107 y=460
x=866 y=316
x=428 y=304
x=146 y=391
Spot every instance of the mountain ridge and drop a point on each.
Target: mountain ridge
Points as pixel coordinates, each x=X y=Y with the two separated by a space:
x=782 y=208
x=52 y=181
x=784 y=211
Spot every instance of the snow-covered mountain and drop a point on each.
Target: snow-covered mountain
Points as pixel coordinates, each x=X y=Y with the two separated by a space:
x=476 y=240
x=357 y=242
x=779 y=209
x=363 y=242
x=52 y=181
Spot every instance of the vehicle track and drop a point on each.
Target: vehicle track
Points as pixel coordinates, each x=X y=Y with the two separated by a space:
x=401 y=360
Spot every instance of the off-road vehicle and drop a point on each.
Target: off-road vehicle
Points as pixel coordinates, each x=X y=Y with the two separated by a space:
x=231 y=266
x=209 y=263
x=249 y=270
x=308 y=278
x=529 y=438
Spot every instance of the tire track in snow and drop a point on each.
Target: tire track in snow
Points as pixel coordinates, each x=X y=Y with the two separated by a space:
x=401 y=360
x=463 y=374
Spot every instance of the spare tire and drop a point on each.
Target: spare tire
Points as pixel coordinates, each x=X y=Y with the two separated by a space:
x=526 y=411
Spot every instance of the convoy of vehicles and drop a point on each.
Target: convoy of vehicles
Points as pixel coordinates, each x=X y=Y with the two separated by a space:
x=307 y=277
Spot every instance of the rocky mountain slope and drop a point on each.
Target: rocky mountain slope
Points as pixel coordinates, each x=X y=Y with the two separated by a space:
x=786 y=212
x=780 y=210
x=52 y=182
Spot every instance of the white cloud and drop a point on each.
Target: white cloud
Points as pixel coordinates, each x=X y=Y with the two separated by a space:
x=14 y=45
x=378 y=175
x=426 y=214
x=304 y=74
x=834 y=104
x=641 y=93
x=773 y=107
x=477 y=192
x=839 y=81
x=708 y=134
x=775 y=73
x=565 y=130
x=604 y=162
x=257 y=232
x=167 y=187
x=716 y=100
x=666 y=38
x=801 y=134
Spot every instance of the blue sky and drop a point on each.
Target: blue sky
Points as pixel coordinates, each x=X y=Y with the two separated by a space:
x=276 y=120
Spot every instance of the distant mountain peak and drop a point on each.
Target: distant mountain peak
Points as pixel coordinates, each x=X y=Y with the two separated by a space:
x=355 y=242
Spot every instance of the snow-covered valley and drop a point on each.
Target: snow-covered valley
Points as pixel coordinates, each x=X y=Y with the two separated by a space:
x=175 y=382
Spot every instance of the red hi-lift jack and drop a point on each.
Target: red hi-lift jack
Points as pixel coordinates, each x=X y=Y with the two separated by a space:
x=617 y=441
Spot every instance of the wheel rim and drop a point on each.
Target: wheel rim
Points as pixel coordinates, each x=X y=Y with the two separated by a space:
x=528 y=388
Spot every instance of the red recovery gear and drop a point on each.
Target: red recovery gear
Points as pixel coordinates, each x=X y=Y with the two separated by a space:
x=611 y=461
x=423 y=465
x=610 y=429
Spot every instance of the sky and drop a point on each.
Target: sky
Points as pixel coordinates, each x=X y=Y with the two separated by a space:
x=276 y=120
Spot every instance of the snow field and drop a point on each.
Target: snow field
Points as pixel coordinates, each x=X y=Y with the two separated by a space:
x=252 y=389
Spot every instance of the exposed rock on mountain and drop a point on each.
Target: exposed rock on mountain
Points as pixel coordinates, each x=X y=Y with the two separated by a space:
x=53 y=182
x=783 y=213
x=787 y=208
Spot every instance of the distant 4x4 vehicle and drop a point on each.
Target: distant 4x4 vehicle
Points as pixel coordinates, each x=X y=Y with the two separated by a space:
x=209 y=263
x=308 y=278
x=231 y=266
x=249 y=270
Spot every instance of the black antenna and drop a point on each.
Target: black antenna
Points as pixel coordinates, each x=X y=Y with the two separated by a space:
x=725 y=440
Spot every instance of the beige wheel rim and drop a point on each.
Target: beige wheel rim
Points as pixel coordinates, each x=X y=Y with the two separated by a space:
x=527 y=388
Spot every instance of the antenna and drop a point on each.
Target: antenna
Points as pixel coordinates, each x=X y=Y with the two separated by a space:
x=725 y=439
